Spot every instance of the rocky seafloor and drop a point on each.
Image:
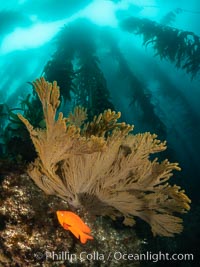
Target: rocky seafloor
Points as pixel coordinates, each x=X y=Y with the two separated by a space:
x=30 y=234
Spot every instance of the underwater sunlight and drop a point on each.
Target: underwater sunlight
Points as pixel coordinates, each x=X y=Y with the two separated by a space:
x=32 y=37
x=99 y=133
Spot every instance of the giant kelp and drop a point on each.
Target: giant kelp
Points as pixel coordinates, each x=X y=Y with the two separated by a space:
x=180 y=47
x=11 y=19
x=75 y=66
x=140 y=94
x=99 y=166
x=15 y=139
x=170 y=17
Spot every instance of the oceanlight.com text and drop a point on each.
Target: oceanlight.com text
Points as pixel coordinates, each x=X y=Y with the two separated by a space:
x=112 y=256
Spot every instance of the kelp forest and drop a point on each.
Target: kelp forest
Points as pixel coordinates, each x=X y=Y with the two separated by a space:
x=103 y=120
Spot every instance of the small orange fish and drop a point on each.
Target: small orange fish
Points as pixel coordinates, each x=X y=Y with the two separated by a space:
x=72 y=222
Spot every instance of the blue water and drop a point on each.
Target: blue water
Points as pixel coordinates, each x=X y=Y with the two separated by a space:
x=152 y=93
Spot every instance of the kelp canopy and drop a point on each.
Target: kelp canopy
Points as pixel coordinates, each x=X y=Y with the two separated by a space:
x=101 y=167
x=180 y=47
x=76 y=68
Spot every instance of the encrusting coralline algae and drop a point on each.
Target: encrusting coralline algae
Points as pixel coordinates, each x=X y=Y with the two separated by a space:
x=31 y=236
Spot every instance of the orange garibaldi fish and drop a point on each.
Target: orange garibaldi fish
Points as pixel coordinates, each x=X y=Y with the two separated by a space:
x=72 y=222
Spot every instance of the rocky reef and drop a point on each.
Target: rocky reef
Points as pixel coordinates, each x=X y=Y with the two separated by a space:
x=31 y=235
